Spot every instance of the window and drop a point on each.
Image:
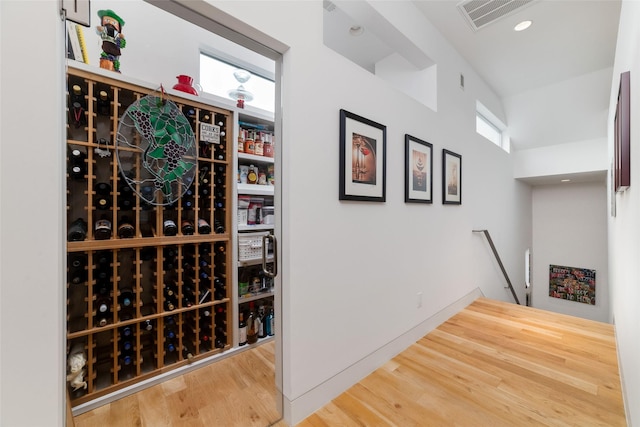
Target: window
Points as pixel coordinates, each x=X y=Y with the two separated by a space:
x=217 y=78
x=489 y=126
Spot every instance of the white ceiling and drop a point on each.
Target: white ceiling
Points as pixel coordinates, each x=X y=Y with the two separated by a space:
x=554 y=78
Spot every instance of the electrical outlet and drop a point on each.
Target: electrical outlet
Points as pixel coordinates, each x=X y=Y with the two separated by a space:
x=419 y=299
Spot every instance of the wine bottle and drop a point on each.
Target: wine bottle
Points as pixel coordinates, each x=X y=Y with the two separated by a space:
x=77 y=230
x=221 y=317
x=170 y=303
x=187 y=227
x=104 y=104
x=125 y=229
x=127 y=353
x=203 y=226
x=77 y=268
x=103 y=287
x=252 y=333
x=102 y=230
x=220 y=151
x=169 y=228
x=262 y=333
x=188 y=200
x=169 y=258
x=270 y=326
x=147 y=325
x=187 y=354
x=126 y=197
x=221 y=334
x=78 y=106
x=242 y=331
x=127 y=299
x=77 y=164
x=219 y=227
x=126 y=331
x=103 y=311
x=102 y=199
x=103 y=259
x=220 y=289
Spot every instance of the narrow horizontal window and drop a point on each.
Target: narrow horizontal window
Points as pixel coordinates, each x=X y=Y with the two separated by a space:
x=222 y=79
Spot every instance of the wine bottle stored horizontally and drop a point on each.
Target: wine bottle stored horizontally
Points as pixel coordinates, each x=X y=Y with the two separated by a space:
x=169 y=227
x=126 y=230
x=103 y=103
x=103 y=310
x=77 y=230
x=77 y=164
x=203 y=226
x=126 y=197
x=77 y=268
x=187 y=227
x=187 y=200
x=187 y=354
x=78 y=106
x=102 y=229
x=102 y=199
x=127 y=299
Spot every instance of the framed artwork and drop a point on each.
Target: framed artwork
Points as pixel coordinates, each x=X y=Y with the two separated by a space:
x=451 y=178
x=418 y=170
x=572 y=283
x=363 y=163
x=622 y=143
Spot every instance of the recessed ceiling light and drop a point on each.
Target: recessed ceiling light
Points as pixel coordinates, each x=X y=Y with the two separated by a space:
x=523 y=25
x=356 y=30
x=565 y=180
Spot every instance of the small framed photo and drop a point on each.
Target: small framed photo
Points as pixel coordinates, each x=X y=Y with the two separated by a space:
x=363 y=152
x=418 y=170
x=451 y=178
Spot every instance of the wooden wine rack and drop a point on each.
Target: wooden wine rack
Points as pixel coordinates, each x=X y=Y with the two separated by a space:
x=147 y=337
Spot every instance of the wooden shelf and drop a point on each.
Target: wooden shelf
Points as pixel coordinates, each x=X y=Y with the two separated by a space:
x=179 y=285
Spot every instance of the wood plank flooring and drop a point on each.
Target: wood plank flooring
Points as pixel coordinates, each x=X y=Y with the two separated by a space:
x=492 y=364
x=236 y=391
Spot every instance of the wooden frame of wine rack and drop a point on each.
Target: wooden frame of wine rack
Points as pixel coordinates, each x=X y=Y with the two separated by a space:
x=146 y=262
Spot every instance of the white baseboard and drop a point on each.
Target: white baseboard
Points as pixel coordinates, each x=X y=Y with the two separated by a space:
x=301 y=407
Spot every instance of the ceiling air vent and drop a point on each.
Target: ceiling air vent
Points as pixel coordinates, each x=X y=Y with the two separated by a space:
x=480 y=13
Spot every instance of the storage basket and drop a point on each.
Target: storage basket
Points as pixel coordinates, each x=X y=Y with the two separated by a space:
x=250 y=245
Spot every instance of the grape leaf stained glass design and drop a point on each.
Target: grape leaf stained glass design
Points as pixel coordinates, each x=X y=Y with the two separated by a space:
x=156 y=150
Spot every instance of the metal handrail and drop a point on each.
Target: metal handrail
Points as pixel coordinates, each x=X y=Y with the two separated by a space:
x=495 y=253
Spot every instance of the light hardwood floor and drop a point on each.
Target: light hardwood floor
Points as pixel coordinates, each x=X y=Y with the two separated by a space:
x=492 y=364
x=236 y=391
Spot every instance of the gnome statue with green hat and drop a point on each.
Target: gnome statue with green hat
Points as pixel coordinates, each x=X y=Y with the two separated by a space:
x=112 y=39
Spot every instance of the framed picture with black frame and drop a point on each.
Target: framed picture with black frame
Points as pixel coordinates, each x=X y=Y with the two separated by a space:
x=451 y=178
x=622 y=140
x=418 y=170
x=363 y=152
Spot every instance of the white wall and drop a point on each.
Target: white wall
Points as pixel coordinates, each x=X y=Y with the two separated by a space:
x=351 y=270
x=624 y=229
x=31 y=216
x=569 y=229
x=569 y=158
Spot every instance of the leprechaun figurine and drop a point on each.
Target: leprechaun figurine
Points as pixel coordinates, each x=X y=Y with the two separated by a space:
x=112 y=39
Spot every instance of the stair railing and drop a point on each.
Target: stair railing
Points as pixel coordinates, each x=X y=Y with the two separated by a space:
x=495 y=254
